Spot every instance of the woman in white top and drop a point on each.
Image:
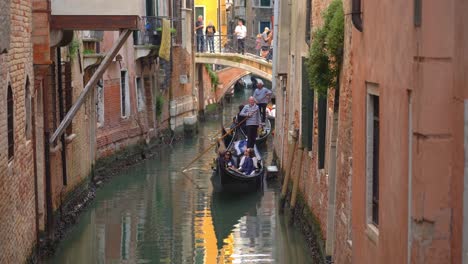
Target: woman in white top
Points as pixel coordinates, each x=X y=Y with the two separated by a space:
x=249 y=152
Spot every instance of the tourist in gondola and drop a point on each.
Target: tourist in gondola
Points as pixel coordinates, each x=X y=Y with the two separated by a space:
x=251 y=111
x=226 y=160
x=249 y=152
x=247 y=165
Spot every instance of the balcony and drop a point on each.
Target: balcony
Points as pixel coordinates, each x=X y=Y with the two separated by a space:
x=92 y=36
x=95 y=15
x=148 y=37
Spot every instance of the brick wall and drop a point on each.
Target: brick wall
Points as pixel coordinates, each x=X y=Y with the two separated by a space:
x=118 y=132
x=17 y=204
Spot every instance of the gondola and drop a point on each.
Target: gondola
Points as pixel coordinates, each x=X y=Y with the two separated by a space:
x=263 y=133
x=227 y=209
x=229 y=180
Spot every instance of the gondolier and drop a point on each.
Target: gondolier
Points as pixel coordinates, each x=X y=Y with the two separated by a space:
x=251 y=111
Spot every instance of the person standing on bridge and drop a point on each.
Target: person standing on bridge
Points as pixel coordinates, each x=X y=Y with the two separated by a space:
x=262 y=96
x=253 y=121
x=209 y=33
x=241 y=32
x=199 y=31
x=265 y=42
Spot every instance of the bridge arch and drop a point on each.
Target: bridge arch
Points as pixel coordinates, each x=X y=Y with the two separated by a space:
x=255 y=65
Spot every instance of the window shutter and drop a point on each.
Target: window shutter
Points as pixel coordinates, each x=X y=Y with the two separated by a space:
x=322 y=128
x=307 y=109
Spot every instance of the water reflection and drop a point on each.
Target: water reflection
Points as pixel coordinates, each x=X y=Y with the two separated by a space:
x=152 y=213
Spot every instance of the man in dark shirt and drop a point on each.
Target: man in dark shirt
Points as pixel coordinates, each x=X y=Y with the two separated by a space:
x=199 y=31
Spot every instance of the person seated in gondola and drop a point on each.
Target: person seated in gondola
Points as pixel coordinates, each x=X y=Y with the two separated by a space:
x=226 y=160
x=249 y=152
x=248 y=163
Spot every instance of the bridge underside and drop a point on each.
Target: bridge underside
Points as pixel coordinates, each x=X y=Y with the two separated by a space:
x=254 y=65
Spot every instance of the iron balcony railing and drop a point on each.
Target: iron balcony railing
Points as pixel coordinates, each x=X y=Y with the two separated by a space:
x=92 y=35
x=150 y=31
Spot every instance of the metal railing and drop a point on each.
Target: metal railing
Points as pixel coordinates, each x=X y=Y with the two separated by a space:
x=226 y=44
x=92 y=35
x=150 y=31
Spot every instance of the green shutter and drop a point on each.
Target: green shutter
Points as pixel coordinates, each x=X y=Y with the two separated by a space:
x=322 y=129
x=307 y=109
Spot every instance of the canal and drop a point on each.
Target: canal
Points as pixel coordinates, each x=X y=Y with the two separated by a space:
x=152 y=213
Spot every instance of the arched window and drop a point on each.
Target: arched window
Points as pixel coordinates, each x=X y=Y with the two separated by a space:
x=10 y=126
x=27 y=108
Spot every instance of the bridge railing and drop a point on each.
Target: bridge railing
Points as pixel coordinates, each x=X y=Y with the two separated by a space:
x=226 y=44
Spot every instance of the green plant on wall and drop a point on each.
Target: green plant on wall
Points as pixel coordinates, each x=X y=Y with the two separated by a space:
x=73 y=48
x=326 y=52
x=213 y=76
x=88 y=52
x=159 y=105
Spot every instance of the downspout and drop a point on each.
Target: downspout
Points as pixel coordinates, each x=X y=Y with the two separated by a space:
x=48 y=180
x=61 y=115
x=356 y=14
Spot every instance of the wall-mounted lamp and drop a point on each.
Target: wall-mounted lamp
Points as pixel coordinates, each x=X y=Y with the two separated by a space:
x=119 y=59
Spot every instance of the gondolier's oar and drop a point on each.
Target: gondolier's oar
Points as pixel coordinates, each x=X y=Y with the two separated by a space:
x=219 y=139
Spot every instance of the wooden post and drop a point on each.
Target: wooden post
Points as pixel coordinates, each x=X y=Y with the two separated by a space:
x=296 y=177
x=91 y=85
x=288 y=168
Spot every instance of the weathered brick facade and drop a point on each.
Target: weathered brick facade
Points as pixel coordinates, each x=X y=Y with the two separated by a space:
x=17 y=199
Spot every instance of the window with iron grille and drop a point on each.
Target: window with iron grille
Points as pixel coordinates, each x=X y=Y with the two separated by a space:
x=100 y=103
x=10 y=125
x=140 y=94
x=124 y=94
x=27 y=108
x=372 y=161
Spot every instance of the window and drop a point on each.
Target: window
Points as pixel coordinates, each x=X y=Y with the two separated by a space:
x=100 y=103
x=265 y=3
x=307 y=109
x=27 y=108
x=262 y=3
x=124 y=94
x=308 y=21
x=372 y=154
x=140 y=94
x=10 y=125
x=262 y=25
x=199 y=11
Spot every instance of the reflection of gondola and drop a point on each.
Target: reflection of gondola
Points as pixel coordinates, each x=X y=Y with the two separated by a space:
x=230 y=180
x=262 y=134
x=228 y=209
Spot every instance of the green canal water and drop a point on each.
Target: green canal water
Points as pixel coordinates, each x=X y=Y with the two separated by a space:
x=151 y=213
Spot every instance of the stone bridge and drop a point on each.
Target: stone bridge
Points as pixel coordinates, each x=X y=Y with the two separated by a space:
x=239 y=66
x=248 y=62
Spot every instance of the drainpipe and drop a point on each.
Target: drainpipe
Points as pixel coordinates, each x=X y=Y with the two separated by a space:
x=61 y=114
x=48 y=181
x=356 y=14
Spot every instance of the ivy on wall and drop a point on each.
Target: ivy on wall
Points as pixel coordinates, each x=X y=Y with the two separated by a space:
x=213 y=76
x=159 y=105
x=326 y=52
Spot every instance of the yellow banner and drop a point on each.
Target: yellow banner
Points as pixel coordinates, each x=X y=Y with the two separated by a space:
x=165 y=49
